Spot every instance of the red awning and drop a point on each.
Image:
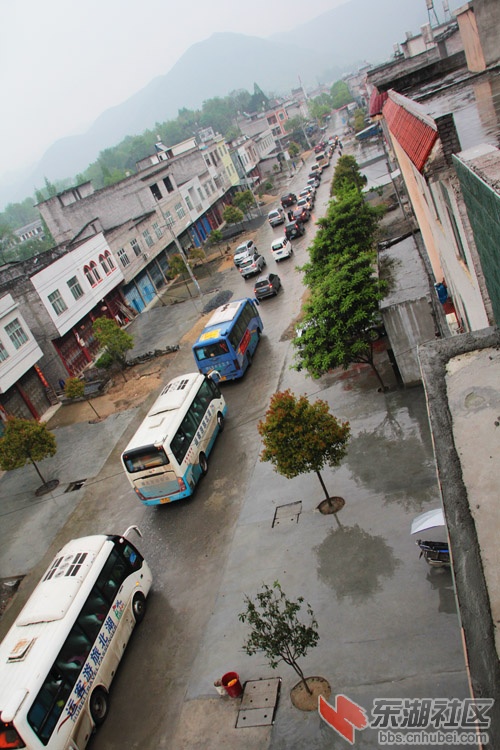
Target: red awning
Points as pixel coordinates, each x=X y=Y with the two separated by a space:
x=415 y=135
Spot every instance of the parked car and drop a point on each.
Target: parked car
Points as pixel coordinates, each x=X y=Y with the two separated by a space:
x=251 y=266
x=306 y=203
x=276 y=217
x=288 y=200
x=281 y=248
x=267 y=286
x=244 y=251
x=294 y=229
x=316 y=169
x=319 y=147
x=301 y=214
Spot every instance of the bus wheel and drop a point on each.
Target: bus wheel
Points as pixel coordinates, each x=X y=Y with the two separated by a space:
x=203 y=464
x=220 y=421
x=99 y=706
x=139 y=607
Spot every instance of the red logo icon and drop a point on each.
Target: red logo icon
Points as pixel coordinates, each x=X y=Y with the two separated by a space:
x=345 y=717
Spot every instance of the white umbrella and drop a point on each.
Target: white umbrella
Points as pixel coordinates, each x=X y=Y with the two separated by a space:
x=428 y=520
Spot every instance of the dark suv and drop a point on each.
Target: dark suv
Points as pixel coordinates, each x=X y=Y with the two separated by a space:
x=294 y=229
x=288 y=200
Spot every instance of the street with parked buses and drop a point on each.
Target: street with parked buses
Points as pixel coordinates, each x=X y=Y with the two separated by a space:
x=387 y=622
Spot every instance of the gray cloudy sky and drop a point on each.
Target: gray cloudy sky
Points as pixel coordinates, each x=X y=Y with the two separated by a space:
x=63 y=62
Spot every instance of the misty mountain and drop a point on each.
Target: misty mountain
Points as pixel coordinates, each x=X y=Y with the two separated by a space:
x=316 y=51
x=362 y=29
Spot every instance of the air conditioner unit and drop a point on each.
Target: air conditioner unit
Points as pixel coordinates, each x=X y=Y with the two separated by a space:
x=145 y=256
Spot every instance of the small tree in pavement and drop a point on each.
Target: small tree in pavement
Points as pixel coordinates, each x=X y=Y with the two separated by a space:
x=115 y=341
x=25 y=440
x=300 y=437
x=75 y=388
x=232 y=215
x=276 y=629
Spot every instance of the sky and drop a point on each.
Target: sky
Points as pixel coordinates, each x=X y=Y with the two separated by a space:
x=64 y=62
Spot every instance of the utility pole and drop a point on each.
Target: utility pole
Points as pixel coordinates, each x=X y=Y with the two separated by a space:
x=184 y=257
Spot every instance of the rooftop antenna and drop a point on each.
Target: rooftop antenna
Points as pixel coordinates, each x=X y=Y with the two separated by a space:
x=430 y=8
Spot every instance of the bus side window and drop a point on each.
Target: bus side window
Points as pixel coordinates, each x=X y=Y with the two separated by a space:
x=112 y=576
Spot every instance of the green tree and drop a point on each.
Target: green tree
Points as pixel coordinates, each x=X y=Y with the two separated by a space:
x=340 y=95
x=176 y=265
x=75 y=388
x=244 y=200
x=339 y=316
x=294 y=123
x=115 y=341
x=300 y=437
x=215 y=237
x=349 y=226
x=232 y=215
x=293 y=149
x=320 y=107
x=359 y=120
x=8 y=243
x=277 y=630
x=26 y=440
x=347 y=176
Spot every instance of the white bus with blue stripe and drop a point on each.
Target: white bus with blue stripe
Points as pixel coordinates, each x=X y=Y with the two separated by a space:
x=169 y=452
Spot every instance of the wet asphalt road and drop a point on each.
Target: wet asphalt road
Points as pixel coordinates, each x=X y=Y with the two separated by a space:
x=387 y=623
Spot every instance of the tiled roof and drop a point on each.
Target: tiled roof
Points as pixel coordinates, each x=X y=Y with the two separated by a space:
x=415 y=131
x=377 y=100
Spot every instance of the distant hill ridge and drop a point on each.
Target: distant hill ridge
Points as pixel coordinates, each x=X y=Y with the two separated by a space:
x=333 y=41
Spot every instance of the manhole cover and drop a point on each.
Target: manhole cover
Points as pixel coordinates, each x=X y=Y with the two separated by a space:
x=287 y=514
x=73 y=486
x=258 y=704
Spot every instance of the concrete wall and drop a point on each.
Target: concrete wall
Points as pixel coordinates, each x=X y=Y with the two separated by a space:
x=470 y=35
x=487 y=14
x=408 y=325
x=439 y=362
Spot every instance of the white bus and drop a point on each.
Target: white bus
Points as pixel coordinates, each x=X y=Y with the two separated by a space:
x=169 y=452
x=58 y=659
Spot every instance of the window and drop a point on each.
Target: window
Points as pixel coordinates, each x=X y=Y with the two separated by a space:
x=95 y=272
x=148 y=239
x=168 y=184
x=104 y=264
x=135 y=247
x=16 y=333
x=158 y=230
x=188 y=202
x=109 y=259
x=156 y=192
x=75 y=288
x=179 y=210
x=124 y=259
x=57 y=302
x=3 y=353
x=200 y=194
x=168 y=219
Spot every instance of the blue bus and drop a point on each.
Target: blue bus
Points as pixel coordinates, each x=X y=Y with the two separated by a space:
x=229 y=340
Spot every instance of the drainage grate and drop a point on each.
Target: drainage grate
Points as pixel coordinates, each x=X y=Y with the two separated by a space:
x=259 y=702
x=287 y=513
x=73 y=486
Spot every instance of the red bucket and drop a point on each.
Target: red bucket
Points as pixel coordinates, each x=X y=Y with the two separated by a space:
x=231 y=682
